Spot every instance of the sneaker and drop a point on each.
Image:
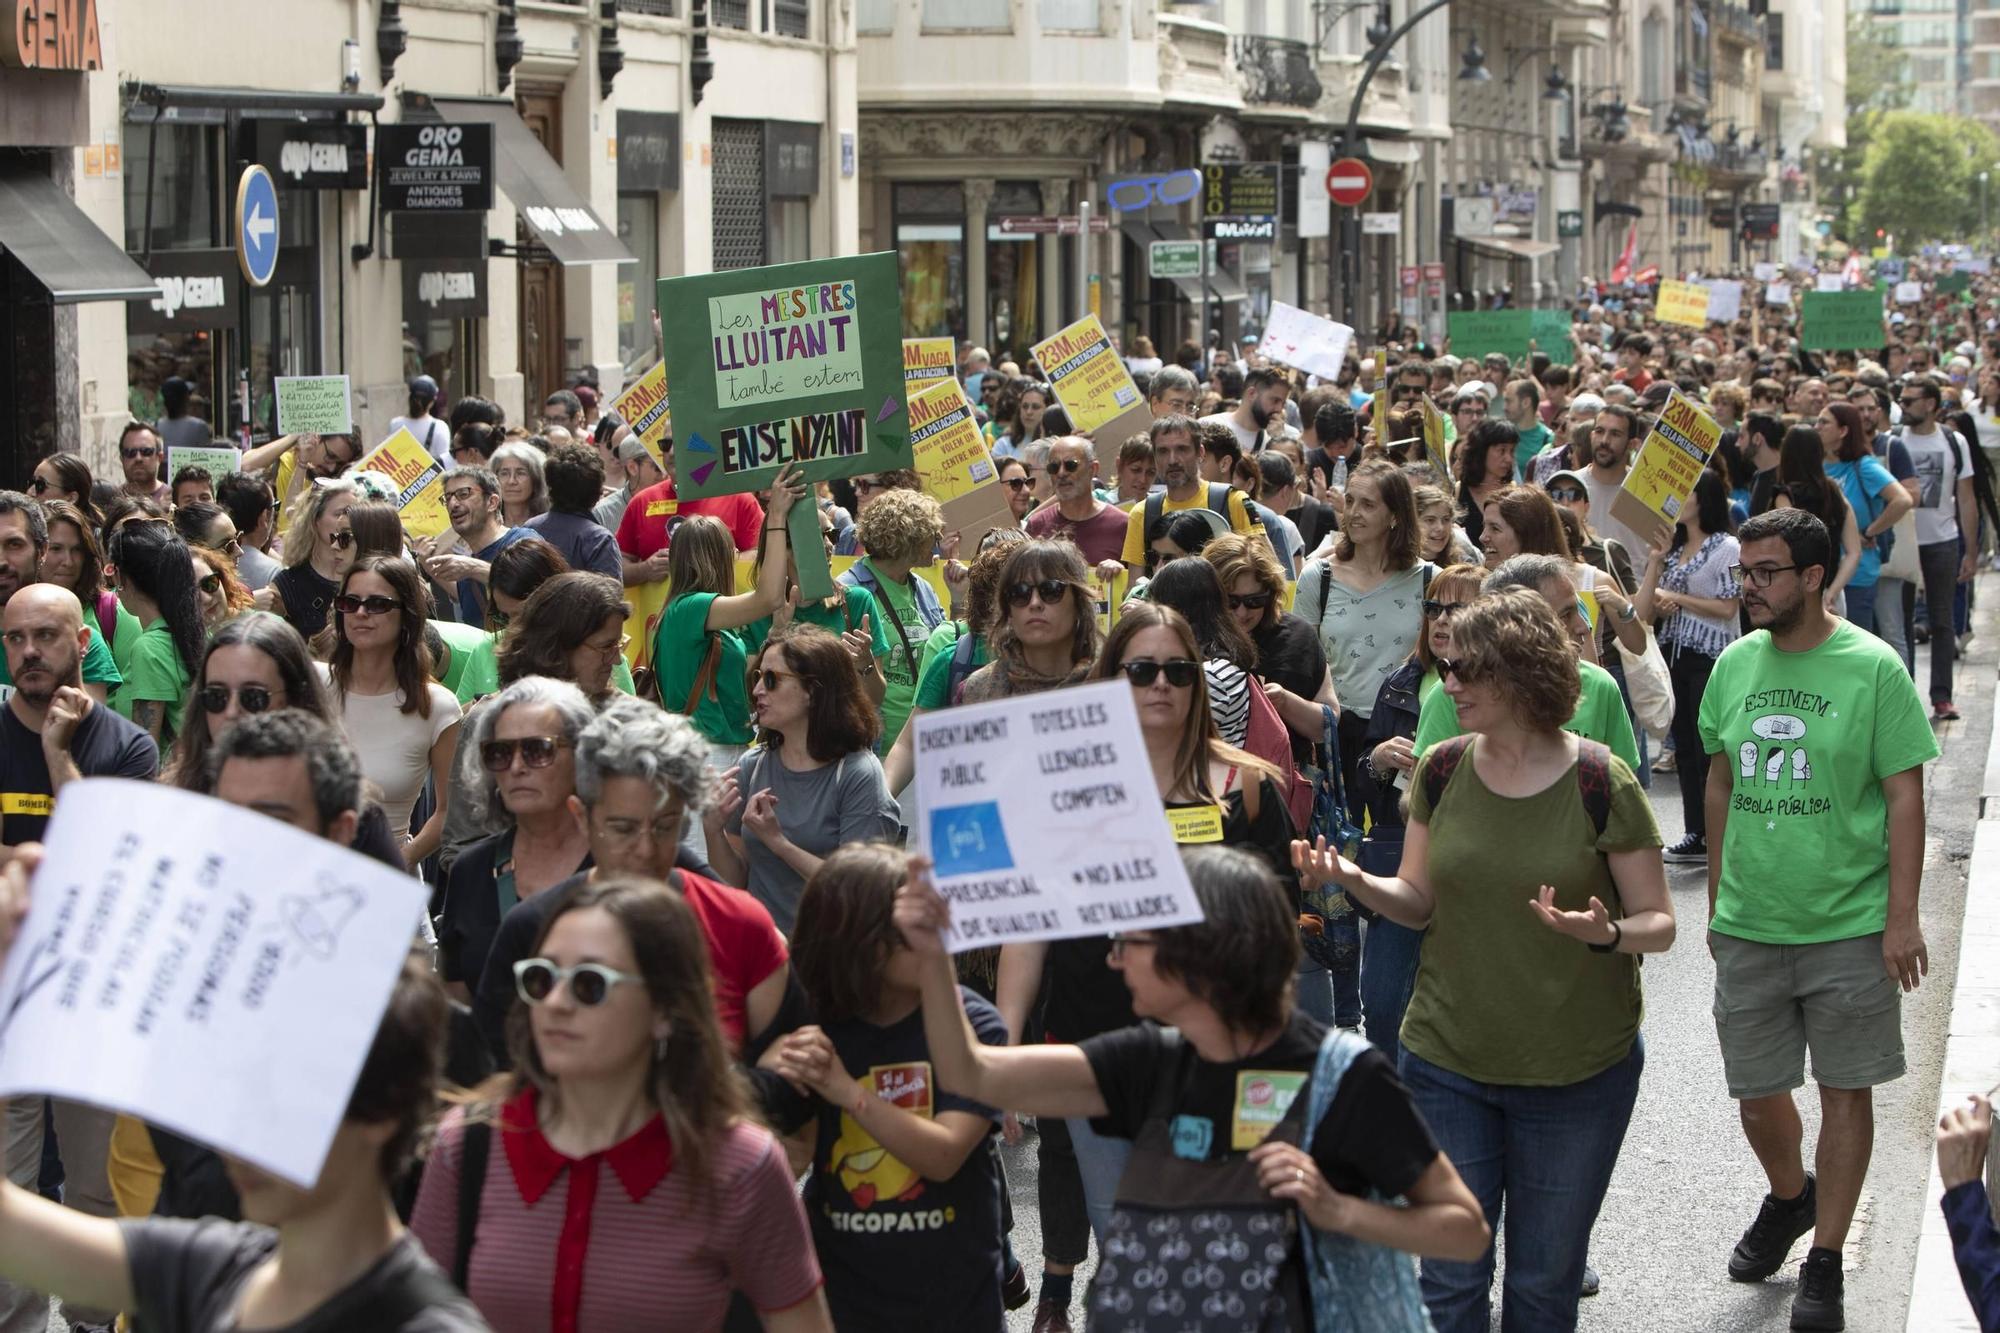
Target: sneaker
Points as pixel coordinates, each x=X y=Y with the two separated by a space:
x=1819 y=1305
x=1665 y=763
x=1779 y=1222
x=1014 y=1289
x=1590 y=1283
x=1051 y=1318
x=1688 y=850
x=1944 y=711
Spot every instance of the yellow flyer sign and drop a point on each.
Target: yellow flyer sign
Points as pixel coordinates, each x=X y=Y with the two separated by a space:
x=1683 y=303
x=945 y=443
x=927 y=361
x=644 y=408
x=1434 y=442
x=1090 y=380
x=419 y=481
x=1668 y=465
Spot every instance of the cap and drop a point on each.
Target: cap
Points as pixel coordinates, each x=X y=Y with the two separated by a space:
x=631 y=449
x=1585 y=405
x=587 y=396
x=1656 y=393
x=1476 y=389
x=1565 y=475
x=1897 y=318
x=424 y=387
x=1967 y=348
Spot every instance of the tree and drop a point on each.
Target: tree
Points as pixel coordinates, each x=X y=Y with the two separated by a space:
x=1877 y=83
x=1920 y=177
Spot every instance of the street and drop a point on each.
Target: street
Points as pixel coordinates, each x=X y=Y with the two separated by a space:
x=1687 y=1184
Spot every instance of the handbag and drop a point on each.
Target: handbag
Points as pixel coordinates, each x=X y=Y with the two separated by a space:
x=1899 y=550
x=1330 y=821
x=1651 y=687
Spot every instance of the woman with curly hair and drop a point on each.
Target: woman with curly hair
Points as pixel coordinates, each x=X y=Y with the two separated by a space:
x=899 y=532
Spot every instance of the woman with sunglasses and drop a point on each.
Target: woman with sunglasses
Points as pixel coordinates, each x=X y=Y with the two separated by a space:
x=1045 y=635
x=1518 y=1037
x=1190 y=586
x=520 y=468
x=319 y=547
x=254 y=663
x=812 y=781
x=517 y=776
x=1291 y=661
x=850 y=614
x=403 y=724
x=63 y=476
x=1020 y=487
x=620 y=1184
x=219 y=591
x=156 y=584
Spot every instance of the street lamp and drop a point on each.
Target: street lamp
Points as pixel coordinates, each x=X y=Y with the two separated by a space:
x=1982 y=205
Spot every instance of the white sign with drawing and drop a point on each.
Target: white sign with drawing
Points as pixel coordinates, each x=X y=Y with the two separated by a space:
x=1305 y=341
x=1725 y=300
x=205 y=968
x=1042 y=820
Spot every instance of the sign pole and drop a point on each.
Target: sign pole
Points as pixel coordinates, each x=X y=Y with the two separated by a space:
x=1203 y=334
x=1082 y=257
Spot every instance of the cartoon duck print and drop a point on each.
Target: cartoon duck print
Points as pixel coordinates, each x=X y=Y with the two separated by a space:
x=868 y=1171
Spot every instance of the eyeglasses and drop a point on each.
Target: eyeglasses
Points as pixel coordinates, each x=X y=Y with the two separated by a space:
x=590 y=984
x=1065 y=465
x=1120 y=943
x=1181 y=672
x=1017 y=483
x=611 y=649
x=1436 y=610
x=771 y=678
x=350 y=605
x=1450 y=666
x=461 y=495
x=209 y=584
x=340 y=541
x=253 y=698
x=1176 y=187
x=535 y=751
x=39 y=485
x=1255 y=601
x=1565 y=495
x=1402 y=391
x=867 y=485
x=1757 y=576
x=138 y=453
x=1051 y=590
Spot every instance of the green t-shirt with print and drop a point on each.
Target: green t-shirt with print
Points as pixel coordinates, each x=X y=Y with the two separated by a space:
x=1809 y=737
x=835 y=620
x=157 y=676
x=899 y=668
x=99 y=666
x=722 y=713
x=1600 y=714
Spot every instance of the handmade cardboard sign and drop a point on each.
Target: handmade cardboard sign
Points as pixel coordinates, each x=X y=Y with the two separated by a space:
x=204 y=968
x=951 y=458
x=1669 y=463
x=1682 y=303
x=926 y=361
x=220 y=460
x=1094 y=388
x=1306 y=341
x=419 y=481
x=314 y=405
x=1725 y=300
x=1474 y=333
x=1840 y=321
x=645 y=409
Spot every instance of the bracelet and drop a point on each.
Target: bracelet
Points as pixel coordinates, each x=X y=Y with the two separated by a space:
x=1617 y=934
x=769 y=528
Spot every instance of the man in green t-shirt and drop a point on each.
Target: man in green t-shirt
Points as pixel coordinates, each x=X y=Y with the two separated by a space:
x=1817 y=740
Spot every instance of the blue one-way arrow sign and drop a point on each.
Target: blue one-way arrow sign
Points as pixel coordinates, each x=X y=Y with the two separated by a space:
x=257 y=225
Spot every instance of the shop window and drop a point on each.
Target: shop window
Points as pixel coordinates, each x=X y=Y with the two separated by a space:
x=968 y=16
x=1013 y=269
x=738 y=209
x=639 y=228
x=184 y=212
x=930 y=238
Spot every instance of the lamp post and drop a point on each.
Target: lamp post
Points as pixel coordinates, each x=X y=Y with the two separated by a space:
x=1982 y=205
x=1345 y=262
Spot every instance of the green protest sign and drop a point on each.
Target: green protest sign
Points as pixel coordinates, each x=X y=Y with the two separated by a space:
x=1953 y=282
x=220 y=460
x=1840 y=321
x=786 y=364
x=1474 y=333
x=1550 y=330
x=314 y=405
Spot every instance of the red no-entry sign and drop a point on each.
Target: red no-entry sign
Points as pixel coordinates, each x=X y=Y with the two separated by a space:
x=1348 y=181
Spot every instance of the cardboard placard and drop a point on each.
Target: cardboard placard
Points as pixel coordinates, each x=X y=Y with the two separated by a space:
x=950 y=455
x=1909 y=293
x=927 y=361
x=1778 y=293
x=1764 y=270
x=314 y=405
x=1725 y=300
x=1551 y=332
x=1305 y=341
x=1088 y=376
x=1474 y=333
x=1840 y=321
x=419 y=482
x=645 y=408
x=220 y=460
x=1668 y=465
x=1829 y=282
x=1682 y=303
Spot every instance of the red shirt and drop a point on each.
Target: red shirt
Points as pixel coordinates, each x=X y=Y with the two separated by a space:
x=649 y=519
x=1100 y=537
x=744 y=947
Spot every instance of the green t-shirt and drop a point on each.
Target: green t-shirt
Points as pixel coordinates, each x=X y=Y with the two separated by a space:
x=1809 y=738
x=934 y=686
x=99 y=666
x=157 y=676
x=834 y=620
x=899 y=668
x=1600 y=714
x=1533 y=440
x=125 y=632
x=476 y=670
x=722 y=714
x=462 y=644
x=1500 y=997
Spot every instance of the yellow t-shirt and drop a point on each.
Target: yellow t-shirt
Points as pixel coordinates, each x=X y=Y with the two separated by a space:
x=1134 y=553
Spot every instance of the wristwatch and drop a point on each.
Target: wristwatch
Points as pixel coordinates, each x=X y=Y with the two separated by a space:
x=1628 y=613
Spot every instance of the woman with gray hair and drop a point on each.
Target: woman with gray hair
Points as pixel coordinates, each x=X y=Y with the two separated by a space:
x=518 y=772
x=520 y=469
x=641 y=778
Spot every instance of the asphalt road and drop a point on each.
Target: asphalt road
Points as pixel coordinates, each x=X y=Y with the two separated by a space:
x=1687 y=1184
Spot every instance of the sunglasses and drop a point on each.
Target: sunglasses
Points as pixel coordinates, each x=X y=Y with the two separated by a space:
x=590 y=984
x=771 y=678
x=1066 y=465
x=209 y=584
x=1017 y=483
x=253 y=698
x=350 y=605
x=863 y=486
x=1255 y=601
x=40 y=485
x=340 y=541
x=1566 y=495
x=138 y=453
x=1442 y=610
x=1455 y=666
x=1051 y=590
x=535 y=751
x=1181 y=672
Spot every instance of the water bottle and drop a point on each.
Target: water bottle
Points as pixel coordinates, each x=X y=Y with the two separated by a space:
x=1340 y=473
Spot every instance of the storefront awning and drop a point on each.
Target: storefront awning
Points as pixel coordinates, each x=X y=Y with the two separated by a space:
x=44 y=229
x=1222 y=284
x=1511 y=247
x=534 y=182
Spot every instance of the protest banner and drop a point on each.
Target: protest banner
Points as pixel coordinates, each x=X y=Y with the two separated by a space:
x=1094 y=388
x=1042 y=821
x=645 y=408
x=204 y=968
x=220 y=460
x=1954 y=282
x=1725 y=300
x=1305 y=341
x=1909 y=293
x=419 y=482
x=1668 y=464
x=1778 y=293
x=1474 y=333
x=787 y=364
x=927 y=361
x=950 y=455
x=1764 y=271
x=1829 y=282
x=1840 y=321
x=1435 y=447
x=314 y=405
x=1551 y=332
x=1682 y=303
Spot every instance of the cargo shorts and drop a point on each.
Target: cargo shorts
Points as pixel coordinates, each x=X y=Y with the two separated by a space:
x=1774 y=1002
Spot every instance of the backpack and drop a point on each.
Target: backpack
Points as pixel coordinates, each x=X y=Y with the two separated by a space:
x=1593 y=775
x=473 y=1149
x=962 y=664
x=1270 y=739
x=1217 y=503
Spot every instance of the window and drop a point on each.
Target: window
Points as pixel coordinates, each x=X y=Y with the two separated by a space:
x=930 y=237
x=730 y=14
x=875 y=18
x=1774 y=41
x=639 y=228
x=968 y=16
x=790 y=18
x=1067 y=15
x=1652 y=75
x=737 y=211
x=184 y=204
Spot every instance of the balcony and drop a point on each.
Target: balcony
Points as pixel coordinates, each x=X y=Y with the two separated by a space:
x=1276 y=71
x=1195 y=68
x=1735 y=23
x=1011 y=56
x=1736 y=165
x=1387 y=104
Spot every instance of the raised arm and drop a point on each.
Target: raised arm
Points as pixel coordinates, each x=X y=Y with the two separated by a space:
x=735 y=610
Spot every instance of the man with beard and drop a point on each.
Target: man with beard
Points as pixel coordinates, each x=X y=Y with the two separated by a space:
x=1265 y=390
x=1817 y=739
x=24 y=537
x=1612 y=436
x=472 y=503
x=141 y=454
x=1097 y=528
x=1177 y=459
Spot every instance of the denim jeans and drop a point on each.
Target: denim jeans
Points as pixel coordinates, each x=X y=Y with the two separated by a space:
x=1100 y=1160
x=1059 y=1195
x=1547 y=1154
x=1329 y=976
x=1939 y=562
x=1896 y=618
x=1861 y=607
x=1689 y=670
x=1389 y=956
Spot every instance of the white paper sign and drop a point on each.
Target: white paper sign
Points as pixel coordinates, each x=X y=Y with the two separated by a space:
x=1381 y=224
x=1778 y=293
x=1042 y=819
x=1764 y=271
x=1725 y=300
x=202 y=967
x=1909 y=293
x=1306 y=341
x=1830 y=282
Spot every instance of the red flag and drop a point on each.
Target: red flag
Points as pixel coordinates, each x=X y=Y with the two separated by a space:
x=1622 y=270
x=1647 y=276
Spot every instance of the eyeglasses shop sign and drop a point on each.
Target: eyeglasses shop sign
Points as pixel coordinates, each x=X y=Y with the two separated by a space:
x=436 y=168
